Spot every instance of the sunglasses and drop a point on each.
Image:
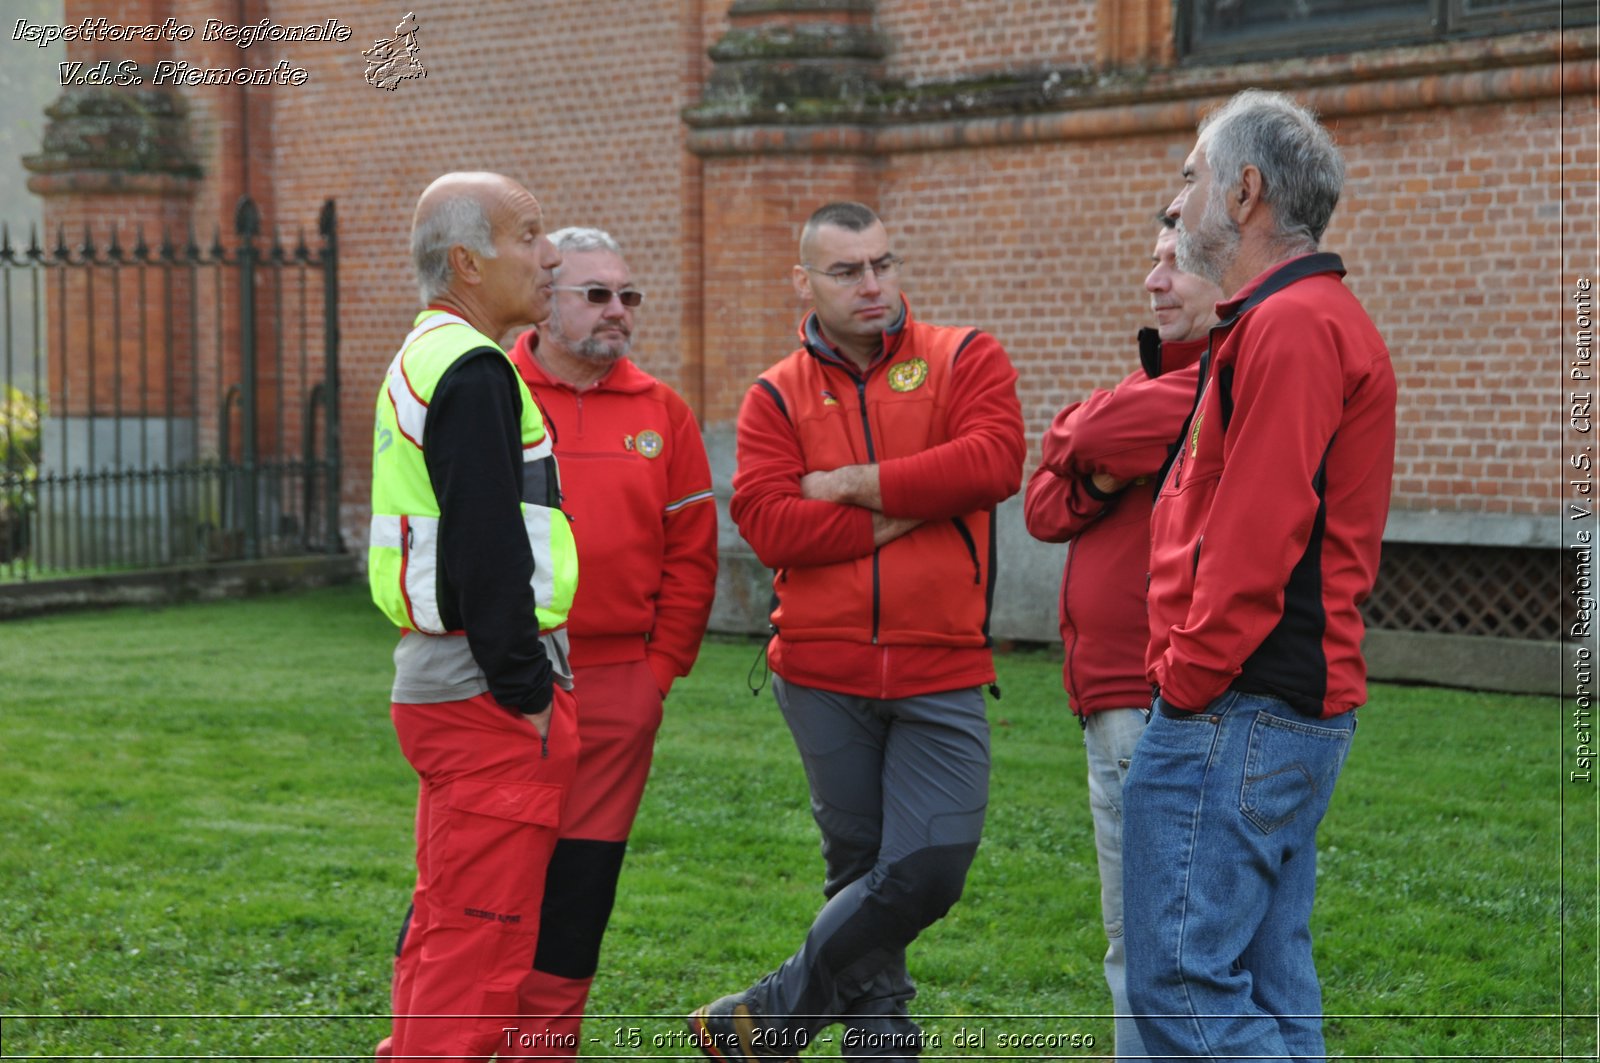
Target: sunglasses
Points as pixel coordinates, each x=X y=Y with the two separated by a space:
x=600 y=296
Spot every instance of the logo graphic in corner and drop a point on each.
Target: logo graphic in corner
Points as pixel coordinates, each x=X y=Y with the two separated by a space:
x=394 y=59
x=908 y=376
x=648 y=443
x=828 y=398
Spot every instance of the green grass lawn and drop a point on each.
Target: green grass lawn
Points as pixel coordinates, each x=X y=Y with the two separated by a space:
x=205 y=848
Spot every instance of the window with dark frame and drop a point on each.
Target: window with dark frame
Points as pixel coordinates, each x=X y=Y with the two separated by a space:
x=1261 y=29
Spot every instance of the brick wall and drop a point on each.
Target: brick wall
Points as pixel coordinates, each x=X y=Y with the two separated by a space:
x=941 y=39
x=1452 y=221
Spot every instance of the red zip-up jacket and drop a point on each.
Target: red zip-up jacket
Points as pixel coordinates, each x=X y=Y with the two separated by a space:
x=1267 y=530
x=1126 y=432
x=937 y=412
x=637 y=485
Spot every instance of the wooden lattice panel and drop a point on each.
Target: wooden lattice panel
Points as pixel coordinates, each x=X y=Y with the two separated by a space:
x=1498 y=592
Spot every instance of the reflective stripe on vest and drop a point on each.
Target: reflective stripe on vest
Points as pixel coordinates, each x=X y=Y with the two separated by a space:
x=403 y=548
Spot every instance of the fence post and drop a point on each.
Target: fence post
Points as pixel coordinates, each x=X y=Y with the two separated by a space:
x=247 y=223
x=327 y=225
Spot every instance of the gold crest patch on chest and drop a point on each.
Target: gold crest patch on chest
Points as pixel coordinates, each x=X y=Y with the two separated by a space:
x=909 y=375
x=649 y=443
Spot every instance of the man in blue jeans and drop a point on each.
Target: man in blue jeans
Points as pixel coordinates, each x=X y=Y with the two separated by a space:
x=1264 y=542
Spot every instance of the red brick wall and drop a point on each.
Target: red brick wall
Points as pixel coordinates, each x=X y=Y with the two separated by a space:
x=1452 y=220
x=939 y=39
x=580 y=102
x=1453 y=232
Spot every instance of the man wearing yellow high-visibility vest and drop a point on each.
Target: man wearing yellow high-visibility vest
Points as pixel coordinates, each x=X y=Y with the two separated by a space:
x=472 y=558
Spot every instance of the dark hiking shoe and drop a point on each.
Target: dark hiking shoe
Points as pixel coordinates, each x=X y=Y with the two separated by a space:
x=730 y=1029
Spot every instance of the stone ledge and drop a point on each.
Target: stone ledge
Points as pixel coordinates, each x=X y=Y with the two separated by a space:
x=1473 y=529
x=1072 y=104
x=168 y=586
x=1511 y=666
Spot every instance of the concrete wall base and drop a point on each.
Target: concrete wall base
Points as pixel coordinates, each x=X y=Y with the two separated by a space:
x=184 y=583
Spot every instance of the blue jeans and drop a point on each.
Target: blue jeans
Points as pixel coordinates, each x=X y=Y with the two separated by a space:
x=1109 y=738
x=1220 y=815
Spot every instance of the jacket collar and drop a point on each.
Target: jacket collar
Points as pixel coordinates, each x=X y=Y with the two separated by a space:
x=623 y=377
x=1274 y=280
x=1157 y=357
x=821 y=349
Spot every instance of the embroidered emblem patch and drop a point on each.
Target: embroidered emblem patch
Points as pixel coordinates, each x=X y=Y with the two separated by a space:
x=649 y=443
x=627 y=442
x=828 y=399
x=908 y=376
x=1194 y=436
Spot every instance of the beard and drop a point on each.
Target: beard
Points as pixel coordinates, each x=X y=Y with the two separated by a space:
x=1209 y=248
x=591 y=348
x=594 y=349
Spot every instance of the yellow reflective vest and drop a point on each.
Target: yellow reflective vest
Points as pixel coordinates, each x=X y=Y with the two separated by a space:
x=402 y=554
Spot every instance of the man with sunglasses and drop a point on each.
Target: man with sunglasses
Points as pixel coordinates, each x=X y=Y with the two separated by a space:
x=870 y=462
x=1094 y=489
x=638 y=489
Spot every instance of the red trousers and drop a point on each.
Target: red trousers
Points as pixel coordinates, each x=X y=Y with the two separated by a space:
x=489 y=808
x=619 y=712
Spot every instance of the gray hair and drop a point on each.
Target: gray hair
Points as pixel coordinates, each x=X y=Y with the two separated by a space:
x=459 y=220
x=1301 y=170
x=580 y=238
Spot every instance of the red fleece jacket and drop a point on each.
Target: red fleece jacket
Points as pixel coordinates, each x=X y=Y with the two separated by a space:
x=1125 y=432
x=937 y=412
x=636 y=483
x=1267 y=531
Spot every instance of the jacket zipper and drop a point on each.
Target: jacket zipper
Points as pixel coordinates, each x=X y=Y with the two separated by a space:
x=1066 y=619
x=872 y=458
x=972 y=549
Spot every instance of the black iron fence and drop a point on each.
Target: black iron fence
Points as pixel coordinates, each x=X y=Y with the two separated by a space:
x=167 y=404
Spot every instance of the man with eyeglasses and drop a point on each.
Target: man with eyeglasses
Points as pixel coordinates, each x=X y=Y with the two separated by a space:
x=870 y=462
x=638 y=488
x=1094 y=489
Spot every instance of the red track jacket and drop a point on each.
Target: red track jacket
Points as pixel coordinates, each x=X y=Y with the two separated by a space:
x=1126 y=432
x=636 y=483
x=1266 y=534
x=938 y=413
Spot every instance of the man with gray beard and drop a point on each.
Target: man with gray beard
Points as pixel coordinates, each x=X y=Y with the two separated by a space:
x=638 y=490
x=1264 y=542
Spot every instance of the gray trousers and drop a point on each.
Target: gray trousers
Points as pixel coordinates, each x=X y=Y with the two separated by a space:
x=899 y=790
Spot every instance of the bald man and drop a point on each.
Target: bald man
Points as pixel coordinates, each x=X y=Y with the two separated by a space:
x=472 y=559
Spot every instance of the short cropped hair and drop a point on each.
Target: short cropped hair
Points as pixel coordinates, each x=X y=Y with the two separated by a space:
x=457 y=220
x=1302 y=171
x=857 y=217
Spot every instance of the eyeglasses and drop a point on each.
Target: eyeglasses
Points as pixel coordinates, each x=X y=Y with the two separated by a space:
x=600 y=295
x=850 y=276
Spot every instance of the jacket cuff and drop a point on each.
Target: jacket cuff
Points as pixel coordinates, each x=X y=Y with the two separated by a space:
x=1095 y=493
x=663 y=670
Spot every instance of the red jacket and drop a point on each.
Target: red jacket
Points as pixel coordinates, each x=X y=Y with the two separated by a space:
x=1127 y=433
x=937 y=411
x=1266 y=534
x=636 y=483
